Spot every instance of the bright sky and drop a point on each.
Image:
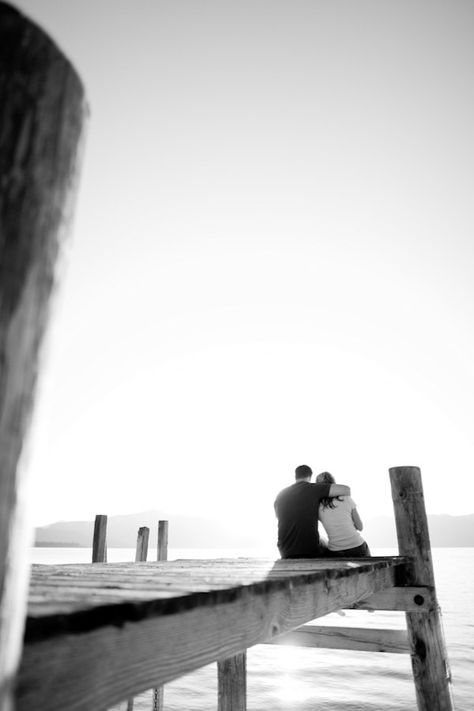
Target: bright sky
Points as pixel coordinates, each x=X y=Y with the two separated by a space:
x=272 y=257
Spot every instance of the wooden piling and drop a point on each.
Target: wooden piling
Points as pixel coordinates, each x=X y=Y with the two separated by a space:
x=161 y=554
x=425 y=635
x=232 y=683
x=141 y=552
x=41 y=114
x=158 y=698
x=99 y=543
x=162 y=550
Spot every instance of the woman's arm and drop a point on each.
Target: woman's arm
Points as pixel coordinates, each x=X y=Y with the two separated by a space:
x=357 y=519
x=339 y=490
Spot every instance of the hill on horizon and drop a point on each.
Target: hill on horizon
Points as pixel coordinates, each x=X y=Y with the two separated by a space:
x=197 y=532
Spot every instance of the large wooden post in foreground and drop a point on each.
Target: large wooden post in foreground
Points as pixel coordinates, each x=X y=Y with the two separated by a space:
x=41 y=114
x=425 y=634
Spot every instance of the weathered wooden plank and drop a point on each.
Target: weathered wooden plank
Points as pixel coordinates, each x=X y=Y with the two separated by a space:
x=232 y=683
x=402 y=599
x=41 y=113
x=361 y=639
x=428 y=653
x=68 y=659
x=183 y=591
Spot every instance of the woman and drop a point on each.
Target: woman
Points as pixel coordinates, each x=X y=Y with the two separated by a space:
x=342 y=523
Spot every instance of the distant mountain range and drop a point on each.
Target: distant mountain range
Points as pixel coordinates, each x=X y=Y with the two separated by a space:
x=195 y=532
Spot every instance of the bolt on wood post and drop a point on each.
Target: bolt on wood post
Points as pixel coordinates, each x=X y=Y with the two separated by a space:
x=42 y=108
x=232 y=683
x=425 y=634
x=99 y=543
x=162 y=550
x=141 y=552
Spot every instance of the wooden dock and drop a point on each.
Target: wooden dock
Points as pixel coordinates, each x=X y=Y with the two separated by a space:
x=99 y=634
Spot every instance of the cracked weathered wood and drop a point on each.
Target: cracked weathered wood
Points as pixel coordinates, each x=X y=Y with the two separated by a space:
x=407 y=599
x=98 y=634
x=426 y=639
x=41 y=114
x=232 y=683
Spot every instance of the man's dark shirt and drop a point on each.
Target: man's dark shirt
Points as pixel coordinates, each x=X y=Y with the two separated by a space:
x=296 y=508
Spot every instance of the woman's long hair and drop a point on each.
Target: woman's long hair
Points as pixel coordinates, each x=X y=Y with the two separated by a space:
x=327 y=501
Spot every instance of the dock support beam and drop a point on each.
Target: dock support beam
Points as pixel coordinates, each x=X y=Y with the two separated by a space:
x=232 y=683
x=41 y=113
x=425 y=634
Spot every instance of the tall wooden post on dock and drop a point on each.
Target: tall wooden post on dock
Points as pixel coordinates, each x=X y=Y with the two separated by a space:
x=41 y=114
x=428 y=652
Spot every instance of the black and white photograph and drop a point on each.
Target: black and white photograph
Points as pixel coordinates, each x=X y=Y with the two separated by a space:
x=236 y=355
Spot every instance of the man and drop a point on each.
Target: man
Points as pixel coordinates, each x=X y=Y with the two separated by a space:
x=296 y=508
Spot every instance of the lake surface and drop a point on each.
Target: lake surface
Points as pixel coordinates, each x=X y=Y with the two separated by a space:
x=302 y=679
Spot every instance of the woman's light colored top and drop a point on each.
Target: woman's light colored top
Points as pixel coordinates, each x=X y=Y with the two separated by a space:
x=339 y=524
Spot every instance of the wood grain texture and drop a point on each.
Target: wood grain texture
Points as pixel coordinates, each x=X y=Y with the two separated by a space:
x=361 y=639
x=128 y=634
x=232 y=683
x=411 y=598
x=425 y=634
x=41 y=115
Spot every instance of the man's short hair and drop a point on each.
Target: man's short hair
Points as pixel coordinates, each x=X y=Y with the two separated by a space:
x=303 y=472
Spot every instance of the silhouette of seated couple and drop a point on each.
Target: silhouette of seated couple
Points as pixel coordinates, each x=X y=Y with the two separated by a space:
x=300 y=506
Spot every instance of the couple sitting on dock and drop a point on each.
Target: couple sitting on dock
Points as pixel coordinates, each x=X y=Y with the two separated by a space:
x=300 y=506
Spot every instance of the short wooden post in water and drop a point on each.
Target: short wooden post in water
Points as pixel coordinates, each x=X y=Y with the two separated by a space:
x=99 y=543
x=142 y=544
x=425 y=634
x=42 y=109
x=232 y=683
x=161 y=554
x=141 y=554
x=162 y=551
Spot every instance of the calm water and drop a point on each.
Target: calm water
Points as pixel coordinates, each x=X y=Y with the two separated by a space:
x=301 y=679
